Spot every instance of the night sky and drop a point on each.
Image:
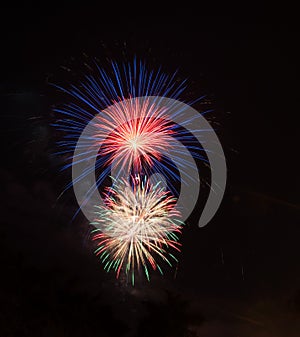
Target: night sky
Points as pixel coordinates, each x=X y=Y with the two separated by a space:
x=239 y=275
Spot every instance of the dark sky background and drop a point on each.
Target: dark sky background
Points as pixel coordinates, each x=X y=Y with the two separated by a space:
x=238 y=276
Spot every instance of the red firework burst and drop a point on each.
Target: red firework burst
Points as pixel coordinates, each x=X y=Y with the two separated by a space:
x=141 y=136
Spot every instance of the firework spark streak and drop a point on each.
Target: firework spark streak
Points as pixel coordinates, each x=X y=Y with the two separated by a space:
x=138 y=223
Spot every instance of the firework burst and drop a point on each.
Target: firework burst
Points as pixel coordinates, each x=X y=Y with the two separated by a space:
x=128 y=131
x=138 y=224
x=142 y=136
x=116 y=124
